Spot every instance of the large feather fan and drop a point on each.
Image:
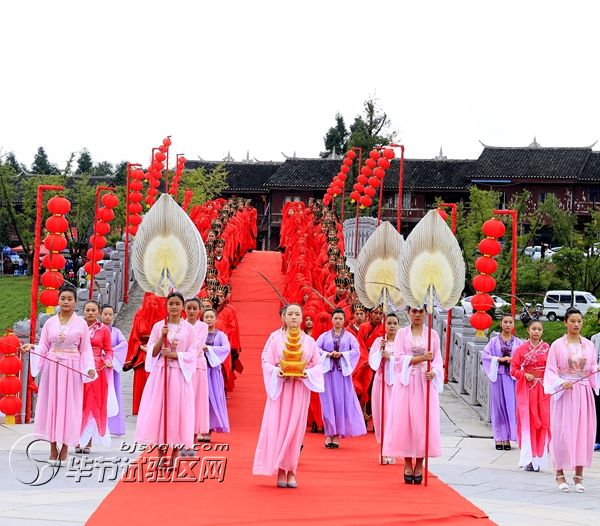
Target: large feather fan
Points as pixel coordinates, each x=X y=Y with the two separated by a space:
x=431 y=258
x=169 y=253
x=377 y=267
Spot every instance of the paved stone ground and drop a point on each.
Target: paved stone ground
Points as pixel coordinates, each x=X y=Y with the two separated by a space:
x=469 y=464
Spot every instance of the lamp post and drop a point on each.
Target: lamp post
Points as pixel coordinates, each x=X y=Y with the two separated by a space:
x=452 y=207
x=513 y=275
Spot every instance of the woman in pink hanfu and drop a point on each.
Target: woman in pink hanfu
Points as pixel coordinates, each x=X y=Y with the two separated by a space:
x=383 y=346
x=65 y=338
x=286 y=409
x=94 y=425
x=181 y=351
x=405 y=422
x=533 y=407
x=193 y=309
x=570 y=378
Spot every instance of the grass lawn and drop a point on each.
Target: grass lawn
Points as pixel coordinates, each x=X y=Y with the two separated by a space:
x=15 y=293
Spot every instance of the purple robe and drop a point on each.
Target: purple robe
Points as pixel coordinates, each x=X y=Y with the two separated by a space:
x=342 y=414
x=503 y=407
x=218 y=349
x=116 y=424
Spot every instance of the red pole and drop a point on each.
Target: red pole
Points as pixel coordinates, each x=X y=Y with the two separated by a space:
x=513 y=277
x=35 y=281
x=452 y=206
x=400 y=190
x=99 y=189
x=382 y=420
x=429 y=326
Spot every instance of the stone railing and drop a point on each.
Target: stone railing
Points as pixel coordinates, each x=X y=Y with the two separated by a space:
x=366 y=226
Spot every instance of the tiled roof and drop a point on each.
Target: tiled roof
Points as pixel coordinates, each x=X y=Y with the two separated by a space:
x=591 y=172
x=531 y=163
x=243 y=176
x=316 y=174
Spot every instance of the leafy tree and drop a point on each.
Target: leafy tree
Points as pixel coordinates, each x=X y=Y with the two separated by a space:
x=336 y=137
x=569 y=263
x=84 y=163
x=120 y=174
x=103 y=169
x=371 y=128
x=206 y=185
x=11 y=160
x=41 y=165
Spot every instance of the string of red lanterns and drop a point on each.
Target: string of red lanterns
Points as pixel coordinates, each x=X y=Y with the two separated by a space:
x=371 y=177
x=134 y=200
x=55 y=242
x=179 y=167
x=338 y=184
x=188 y=194
x=484 y=283
x=10 y=383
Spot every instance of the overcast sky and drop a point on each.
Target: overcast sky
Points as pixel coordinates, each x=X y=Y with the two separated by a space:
x=268 y=77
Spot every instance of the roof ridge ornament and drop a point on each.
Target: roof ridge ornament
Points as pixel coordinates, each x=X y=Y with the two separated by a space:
x=534 y=144
x=440 y=156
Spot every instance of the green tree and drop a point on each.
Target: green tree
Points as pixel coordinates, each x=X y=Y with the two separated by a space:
x=371 y=128
x=11 y=160
x=336 y=138
x=84 y=163
x=41 y=165
x=205 y=185
x=103 y=169
x=120 y=173
x=569 y=263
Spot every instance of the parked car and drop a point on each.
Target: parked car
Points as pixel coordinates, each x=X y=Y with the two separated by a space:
x=556 y=302
x=536 y=254
x=499 y=304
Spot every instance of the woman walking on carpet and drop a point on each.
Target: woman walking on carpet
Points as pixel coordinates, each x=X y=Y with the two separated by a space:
x=533 y=407
x=406 y=420
x=497 y=356
x=291 y=370
x=65 y=339
x=571 y=379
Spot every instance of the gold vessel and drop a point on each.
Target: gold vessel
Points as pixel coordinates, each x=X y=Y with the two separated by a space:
x=292 y=363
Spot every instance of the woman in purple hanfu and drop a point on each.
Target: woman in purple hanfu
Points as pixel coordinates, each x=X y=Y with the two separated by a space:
x=496 y=365
x=342 y=414
x=216 y=350
x=116 y=424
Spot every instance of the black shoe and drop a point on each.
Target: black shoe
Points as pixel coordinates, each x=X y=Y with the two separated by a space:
x=418 y=478
x=507 y=447
x=409 y=479
x=499 y=447
x=314 y=428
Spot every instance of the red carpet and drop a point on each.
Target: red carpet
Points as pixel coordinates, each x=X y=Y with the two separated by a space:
x=336 y=486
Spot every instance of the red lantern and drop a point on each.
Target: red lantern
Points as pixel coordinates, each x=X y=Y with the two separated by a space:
x=348 y=162
x=351 y=154
x=52 y=279
x=354 y=196
x=98 y=241
x=374 y=154
x=342 y=177
x=136 y=197
x=135 y=208
x=152 y=192
x=135 y=186
x=484 y=283
x=371 y=163
x=388 y=153
x=149 y=200
x=162 y=148
x=366 y=171
x=486 y=265
x=157 y=166
x=167 y=142
x=358 y=188
x=160 y=156
x=105 y=214
x=489 y=247
x=110 y=200
x=137 y=174
x=370 y=191
x=345 y=168
x=181 y=161
x=481 y=321
x=374 y=182
x=49 y=297
x=443 y=214
x=383 y=163
x=10 y=405
x=362 y=179
x=493 y=228
x=95 y=253
x=57 y=224
x=58 y=205
x=10 y=364
x=53 y=261
x=9 y=345
x=55 y=242
x=88 y=268
x=10 y=385
x=102 y=228
x=482 y=302
x=155 y=183
x=133 y=229
x=379 y=173
x=365 y=201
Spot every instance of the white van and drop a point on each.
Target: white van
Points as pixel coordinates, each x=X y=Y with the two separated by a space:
x=556 y=302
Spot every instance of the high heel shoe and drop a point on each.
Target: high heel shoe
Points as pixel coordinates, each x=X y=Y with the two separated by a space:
x=562 y=486
x=409 y=479
x=418 y=479
x=579 y=487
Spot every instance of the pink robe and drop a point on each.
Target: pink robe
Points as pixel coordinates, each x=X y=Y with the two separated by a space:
x=200 y=381
x=180 y=396
x=375 y=363
x=572 y=411
x=286 y=409
x=59 y=408
x=405 y=422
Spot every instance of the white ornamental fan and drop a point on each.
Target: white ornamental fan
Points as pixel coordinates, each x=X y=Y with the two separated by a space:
x=376 y=269
x=431 y=258
x=169 y=253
